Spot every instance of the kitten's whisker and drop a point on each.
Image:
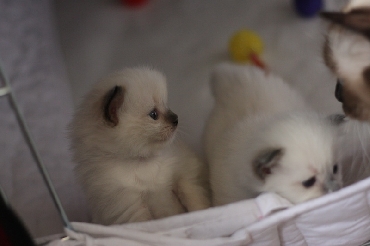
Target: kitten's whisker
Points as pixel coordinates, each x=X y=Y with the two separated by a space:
x=360 y=136
x=182 y=132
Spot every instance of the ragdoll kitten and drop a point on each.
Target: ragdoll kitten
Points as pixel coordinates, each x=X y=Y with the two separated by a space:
x=347 y=54
x=127 y=162
x=262 y=137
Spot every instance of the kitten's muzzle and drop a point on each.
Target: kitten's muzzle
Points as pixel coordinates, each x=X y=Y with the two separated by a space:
x=172 y=118
x=339 y=91
x=331 y=185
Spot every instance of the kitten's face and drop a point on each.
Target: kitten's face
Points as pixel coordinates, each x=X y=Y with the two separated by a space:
x=135 y=110
x=301 y=166
x=347 y=54
x=299 y=179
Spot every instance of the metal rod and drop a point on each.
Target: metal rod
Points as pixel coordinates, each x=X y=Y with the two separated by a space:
x=4 y=91
x=27 y=136
x=3 y=196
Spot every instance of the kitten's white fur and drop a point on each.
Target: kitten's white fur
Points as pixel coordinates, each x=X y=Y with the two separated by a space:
x=253 y=112
x=354 y=151
x=134 y=171
x=349 y=55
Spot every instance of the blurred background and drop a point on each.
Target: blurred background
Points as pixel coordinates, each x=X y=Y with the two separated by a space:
x=53 y=51
x=185 y=39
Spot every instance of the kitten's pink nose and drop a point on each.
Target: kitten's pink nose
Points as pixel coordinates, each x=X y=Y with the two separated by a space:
x=331 y=186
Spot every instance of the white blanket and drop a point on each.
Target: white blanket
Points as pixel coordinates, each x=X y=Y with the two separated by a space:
x=340 y=218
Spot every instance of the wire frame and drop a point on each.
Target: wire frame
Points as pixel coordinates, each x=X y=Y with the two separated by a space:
x=6 y=91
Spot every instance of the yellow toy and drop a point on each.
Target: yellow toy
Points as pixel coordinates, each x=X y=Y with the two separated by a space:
x=246 y=46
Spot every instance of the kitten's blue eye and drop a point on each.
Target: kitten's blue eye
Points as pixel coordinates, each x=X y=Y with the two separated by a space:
x=335 y=169
x=309 y=182
x=154 y=114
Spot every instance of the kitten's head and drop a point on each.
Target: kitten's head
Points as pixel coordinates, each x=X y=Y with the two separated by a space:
x=126 y=113
x=298 y=160
x=347 y=54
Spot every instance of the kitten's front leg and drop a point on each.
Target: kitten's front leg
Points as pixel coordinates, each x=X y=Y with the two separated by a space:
x=164 y=203
x=123 y=206
x=192 y=195
x=141 y=214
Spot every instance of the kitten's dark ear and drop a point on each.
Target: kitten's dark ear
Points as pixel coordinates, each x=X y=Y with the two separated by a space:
x=113 y=100
x=357 y=20
x=266 y=161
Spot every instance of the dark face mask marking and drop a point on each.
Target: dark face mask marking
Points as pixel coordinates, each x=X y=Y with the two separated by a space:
x=339 y=91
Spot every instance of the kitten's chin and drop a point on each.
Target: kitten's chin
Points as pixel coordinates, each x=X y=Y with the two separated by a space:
x=362 y=117
x=159 y=143
x=166 y=136
x=299 y=198
x=357 y=112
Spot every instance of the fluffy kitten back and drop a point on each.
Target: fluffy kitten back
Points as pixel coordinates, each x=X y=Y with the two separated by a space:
x=241 y=88
x=241 y=91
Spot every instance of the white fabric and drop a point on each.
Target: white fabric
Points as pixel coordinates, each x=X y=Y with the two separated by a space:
x=341 y=219
x=215 y=226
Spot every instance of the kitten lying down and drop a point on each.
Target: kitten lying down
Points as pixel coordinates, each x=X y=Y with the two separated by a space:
x=128 y=162
x=262 y=137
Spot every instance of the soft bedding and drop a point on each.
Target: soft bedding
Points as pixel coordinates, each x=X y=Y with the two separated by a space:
x=338 y=219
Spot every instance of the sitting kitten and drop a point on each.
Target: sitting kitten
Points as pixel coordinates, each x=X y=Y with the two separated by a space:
x=127 y=162
x=347 y=54
x=262 y=137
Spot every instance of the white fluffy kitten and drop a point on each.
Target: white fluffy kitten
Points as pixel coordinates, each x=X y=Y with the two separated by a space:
x=127 y=163
x=347 y=54
x=262 y=137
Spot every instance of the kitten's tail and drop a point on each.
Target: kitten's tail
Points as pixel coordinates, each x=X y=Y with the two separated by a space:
x=236 y=87
x=225 y=83
x=246 y=89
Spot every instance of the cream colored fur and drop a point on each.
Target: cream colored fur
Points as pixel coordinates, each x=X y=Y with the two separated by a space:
x=347 y=53
x=136 y=170
x=255 y=112
x=348 y=56
x=354 y=151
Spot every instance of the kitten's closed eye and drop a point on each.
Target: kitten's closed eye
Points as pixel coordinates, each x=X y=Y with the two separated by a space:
x=309 y=182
